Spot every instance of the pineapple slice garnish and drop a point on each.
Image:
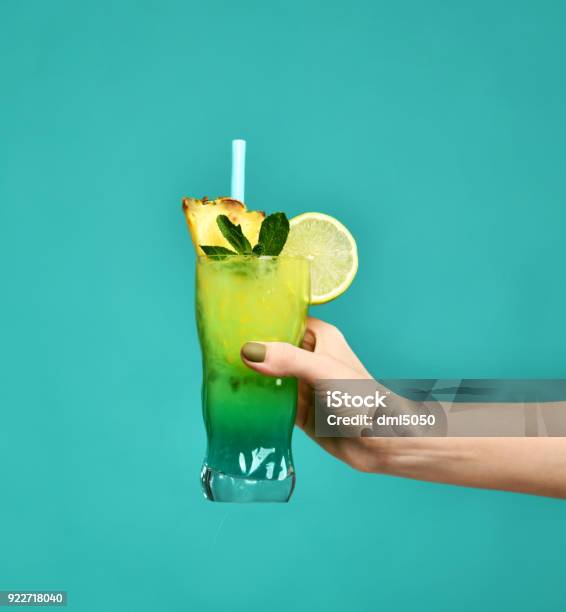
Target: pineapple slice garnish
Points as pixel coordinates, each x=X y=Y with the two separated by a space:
x=201 y=219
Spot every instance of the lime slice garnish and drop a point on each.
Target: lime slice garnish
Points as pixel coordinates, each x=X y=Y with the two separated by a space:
x=331 y=249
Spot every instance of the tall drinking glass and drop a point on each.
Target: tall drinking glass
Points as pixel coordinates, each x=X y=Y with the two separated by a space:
x=249 y=417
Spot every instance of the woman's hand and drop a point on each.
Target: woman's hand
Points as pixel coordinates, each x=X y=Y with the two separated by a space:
x=526 y=465
x=325 y=354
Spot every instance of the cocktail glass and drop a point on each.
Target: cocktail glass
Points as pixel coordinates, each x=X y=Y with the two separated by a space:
x=249 y=417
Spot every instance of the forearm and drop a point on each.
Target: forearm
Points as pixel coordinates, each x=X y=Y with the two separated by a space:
x=526 y=465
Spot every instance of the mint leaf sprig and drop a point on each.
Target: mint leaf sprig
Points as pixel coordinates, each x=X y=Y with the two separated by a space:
x=272 y=235
x=271 y=240
x=234 y=235
x=216 y=251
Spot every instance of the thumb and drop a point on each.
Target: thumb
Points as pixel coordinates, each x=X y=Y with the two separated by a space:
x=282 y=359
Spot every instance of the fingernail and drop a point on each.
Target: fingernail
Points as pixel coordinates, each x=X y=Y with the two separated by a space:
x=254 y=351
x=309 y=341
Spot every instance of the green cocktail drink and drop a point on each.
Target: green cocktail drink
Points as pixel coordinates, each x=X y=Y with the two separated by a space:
x=249 y=417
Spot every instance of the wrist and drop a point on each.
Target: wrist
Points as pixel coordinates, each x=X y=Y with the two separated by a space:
x=421 y=458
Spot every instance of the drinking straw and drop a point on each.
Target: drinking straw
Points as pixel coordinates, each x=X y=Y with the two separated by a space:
x=238 y=169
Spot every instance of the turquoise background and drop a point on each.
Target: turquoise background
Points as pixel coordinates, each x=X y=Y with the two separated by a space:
x=434 y=130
